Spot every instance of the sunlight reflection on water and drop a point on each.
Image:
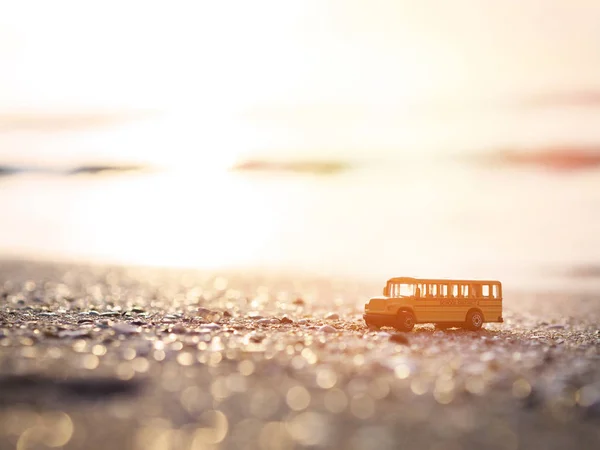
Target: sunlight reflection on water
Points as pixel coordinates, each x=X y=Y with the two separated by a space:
x=422 y=221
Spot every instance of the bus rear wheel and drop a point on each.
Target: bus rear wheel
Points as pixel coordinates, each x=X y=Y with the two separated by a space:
x=406 y=321
x=474 y=321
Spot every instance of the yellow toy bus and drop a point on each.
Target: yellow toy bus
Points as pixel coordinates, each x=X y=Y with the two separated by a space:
x=407 y=301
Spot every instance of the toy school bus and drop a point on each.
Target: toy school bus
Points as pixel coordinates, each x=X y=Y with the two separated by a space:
x=446 y=303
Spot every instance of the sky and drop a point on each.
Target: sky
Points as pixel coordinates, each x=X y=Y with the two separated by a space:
x=318 y=64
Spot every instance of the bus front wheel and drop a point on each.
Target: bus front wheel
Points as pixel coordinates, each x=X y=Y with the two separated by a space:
x=406 y=321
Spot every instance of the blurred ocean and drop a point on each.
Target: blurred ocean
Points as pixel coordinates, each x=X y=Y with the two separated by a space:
x=436 y=209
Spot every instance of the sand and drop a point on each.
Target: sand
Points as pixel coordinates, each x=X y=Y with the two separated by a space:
x=130 y=358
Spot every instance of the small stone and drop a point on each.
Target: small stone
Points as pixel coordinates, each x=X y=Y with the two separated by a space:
x=556 y=327
x=47 y=314
x=286 y=319
x=210 y=326
x=104 y=324
x=73 y=333
x=302 y=322
x=399 y=338
x=227 y=314
x=110 y=314
x=125 y=328
x=178 y=329
x=332 y=316
x=137 y=322
x=137 y=309
x=327 y=329
x=203 y=312
x=93 y=313
x=264 y=322
x=299 y=301
x=256 y=338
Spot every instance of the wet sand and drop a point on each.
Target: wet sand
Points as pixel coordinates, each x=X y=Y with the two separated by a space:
x=129 y=358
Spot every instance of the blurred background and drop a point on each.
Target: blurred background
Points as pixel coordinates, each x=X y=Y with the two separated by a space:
x=338 y=137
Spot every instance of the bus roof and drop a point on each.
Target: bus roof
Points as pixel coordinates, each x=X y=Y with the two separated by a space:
x=439 y=280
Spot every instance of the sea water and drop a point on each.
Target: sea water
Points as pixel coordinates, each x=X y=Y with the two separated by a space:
x=392 y=212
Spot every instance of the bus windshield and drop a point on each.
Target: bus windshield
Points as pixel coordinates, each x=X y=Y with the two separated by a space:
x=401 y=290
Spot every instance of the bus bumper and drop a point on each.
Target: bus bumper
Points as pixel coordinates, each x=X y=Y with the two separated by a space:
x=379 y=320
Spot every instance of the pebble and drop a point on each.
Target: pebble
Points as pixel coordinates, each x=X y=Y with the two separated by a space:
x=203 y=312
x=125 y=328
x=73 y=333
x=47 y=314
x=299 y=301
x=399 y=338
x=210 y=326
x=556 y=327
x=327 y=329
x=272 y=321
x=110 y=314
x=256 y=338
x=137 y=322
x=286 y=319
x=104 y=324
x=179 y=329
x=332 y=316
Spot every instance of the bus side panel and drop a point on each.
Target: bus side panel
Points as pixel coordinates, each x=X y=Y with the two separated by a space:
x=491 y=308
x=426 y=310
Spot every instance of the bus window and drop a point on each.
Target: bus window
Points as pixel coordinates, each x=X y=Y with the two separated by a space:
x=485 y=290
x=464 y=290
x=444 y=290
x=431 y=290
x=455 y=290
x=405 y=289
x=475 y=291
x=495 y=291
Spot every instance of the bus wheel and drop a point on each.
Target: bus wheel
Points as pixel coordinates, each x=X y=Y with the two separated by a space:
x=474 y=320
x=406 y=321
